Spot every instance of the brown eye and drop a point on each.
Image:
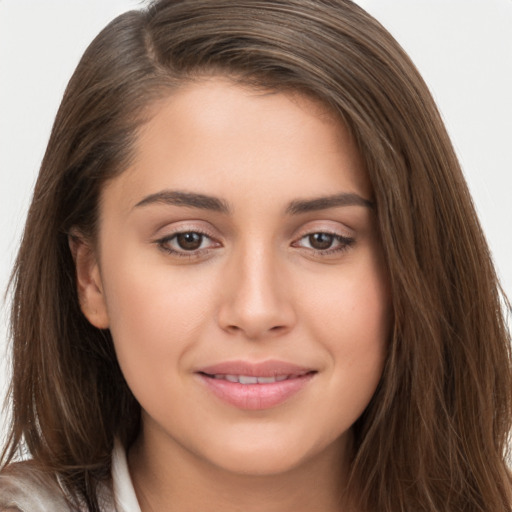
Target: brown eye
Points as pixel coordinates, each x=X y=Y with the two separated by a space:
x=189 y=244
x=324 y=244
x=189 y=241
x=321 y=241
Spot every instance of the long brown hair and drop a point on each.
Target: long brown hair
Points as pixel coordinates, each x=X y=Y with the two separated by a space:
x=434 y=436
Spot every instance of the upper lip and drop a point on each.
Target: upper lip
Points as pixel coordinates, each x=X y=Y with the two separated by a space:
x=271 y=368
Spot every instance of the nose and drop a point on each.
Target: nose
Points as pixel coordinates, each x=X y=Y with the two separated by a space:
x=256 y=297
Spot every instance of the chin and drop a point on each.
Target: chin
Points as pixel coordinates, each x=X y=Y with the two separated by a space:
x=259 y=463
x=263 y=455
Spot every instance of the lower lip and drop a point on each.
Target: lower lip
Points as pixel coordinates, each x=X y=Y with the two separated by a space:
x=256 y=396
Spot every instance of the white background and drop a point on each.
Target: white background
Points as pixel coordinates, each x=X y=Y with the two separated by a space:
x=463 y=48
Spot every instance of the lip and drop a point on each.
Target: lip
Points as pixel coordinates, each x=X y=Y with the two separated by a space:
x=270 y=368
x=256 y=396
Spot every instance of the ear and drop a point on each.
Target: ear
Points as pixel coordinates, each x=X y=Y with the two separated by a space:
x=89 y=283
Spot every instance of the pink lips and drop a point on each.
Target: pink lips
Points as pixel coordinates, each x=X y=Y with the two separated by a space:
x=255 y=386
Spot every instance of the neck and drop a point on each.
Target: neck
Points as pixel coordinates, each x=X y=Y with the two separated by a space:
x=174 y=479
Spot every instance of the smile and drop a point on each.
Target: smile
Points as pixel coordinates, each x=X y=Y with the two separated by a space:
x=249 y=379
x=256 y=386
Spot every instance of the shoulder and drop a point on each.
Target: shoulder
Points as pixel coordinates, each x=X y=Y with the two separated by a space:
x=25 y=488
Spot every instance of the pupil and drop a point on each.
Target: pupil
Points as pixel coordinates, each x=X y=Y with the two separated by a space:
x=321 y=241
x=189 y=241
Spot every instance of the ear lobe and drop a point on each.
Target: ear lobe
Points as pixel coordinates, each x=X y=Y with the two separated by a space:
x=89 y=283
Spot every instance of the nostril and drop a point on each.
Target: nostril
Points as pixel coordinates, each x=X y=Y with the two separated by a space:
x=253 y=334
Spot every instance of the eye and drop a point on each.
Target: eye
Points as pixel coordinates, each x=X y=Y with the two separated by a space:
x=187 y=243
x=320 y=241
x=324 y=243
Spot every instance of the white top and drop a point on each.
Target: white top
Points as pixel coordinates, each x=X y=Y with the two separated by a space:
x=24 y=488
x=124 y=493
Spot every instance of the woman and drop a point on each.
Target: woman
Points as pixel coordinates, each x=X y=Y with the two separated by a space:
x=252 y=271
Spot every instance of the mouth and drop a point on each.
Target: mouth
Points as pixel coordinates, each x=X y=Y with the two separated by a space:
x=251 y=379
x=255 y=386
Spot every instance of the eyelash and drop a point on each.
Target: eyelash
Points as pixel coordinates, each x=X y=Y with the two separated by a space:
x=344 y=244
x=163 y=244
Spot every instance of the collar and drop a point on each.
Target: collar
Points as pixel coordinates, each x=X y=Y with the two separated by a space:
x=124 y=494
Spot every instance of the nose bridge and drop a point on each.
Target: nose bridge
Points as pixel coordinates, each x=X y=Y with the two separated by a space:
x=255 y=301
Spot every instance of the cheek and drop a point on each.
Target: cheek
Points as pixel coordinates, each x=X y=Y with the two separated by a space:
x=353 y=307
x=156 y=315
x=351 y=316
x=358 y=342
x=145 y=293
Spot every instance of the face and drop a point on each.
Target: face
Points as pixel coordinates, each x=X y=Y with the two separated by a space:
x=239 y=269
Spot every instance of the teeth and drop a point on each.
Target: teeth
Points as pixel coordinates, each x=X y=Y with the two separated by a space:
x=244 y=379
x=266 y=380
x=247 y=379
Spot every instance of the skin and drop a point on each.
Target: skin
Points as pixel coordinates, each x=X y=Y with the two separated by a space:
x=257 y=288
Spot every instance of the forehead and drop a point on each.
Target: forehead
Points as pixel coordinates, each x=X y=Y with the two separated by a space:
x=217 y=137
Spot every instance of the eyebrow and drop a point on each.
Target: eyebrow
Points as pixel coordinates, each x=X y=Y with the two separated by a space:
x=190 y=199
x=323 y=203
x=205 y=202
